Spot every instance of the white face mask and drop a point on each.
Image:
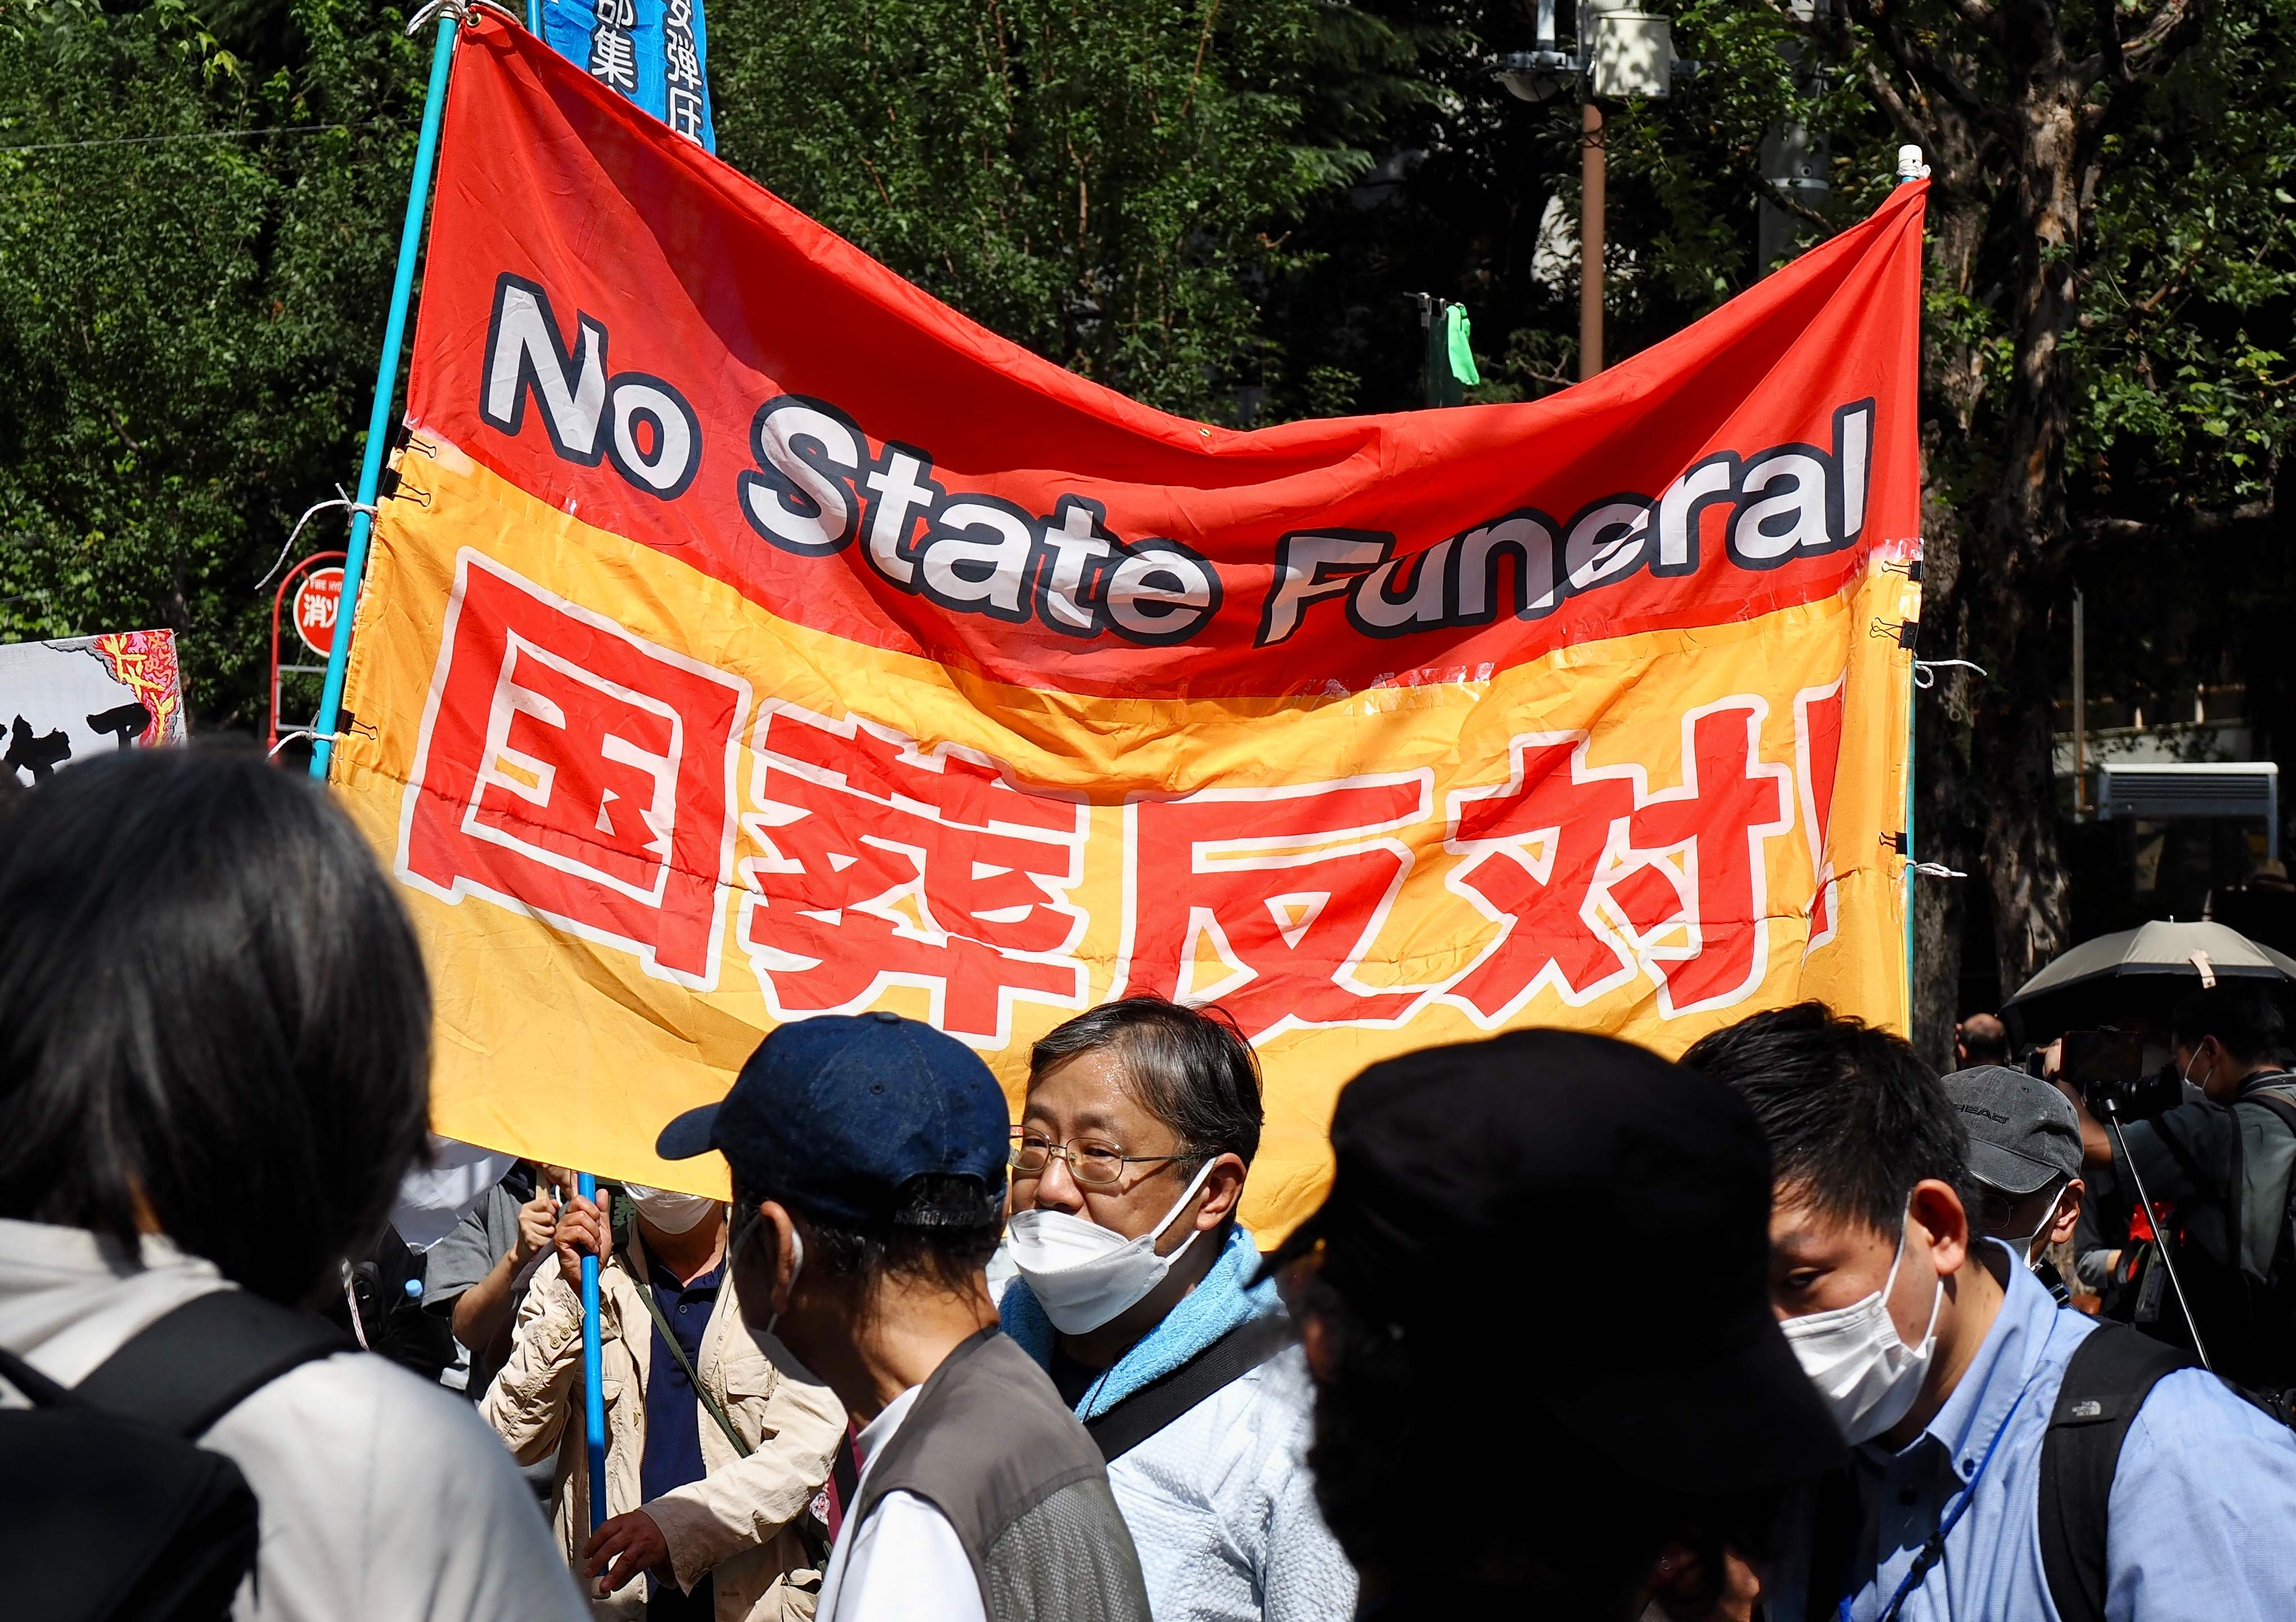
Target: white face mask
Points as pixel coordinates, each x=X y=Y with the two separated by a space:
x=1867 y=1375
x=1084 y=1274
x=671 y=1212
x=2024 y=1247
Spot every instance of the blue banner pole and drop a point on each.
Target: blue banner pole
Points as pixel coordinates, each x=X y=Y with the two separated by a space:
x=386 y=389
x=593 y=1389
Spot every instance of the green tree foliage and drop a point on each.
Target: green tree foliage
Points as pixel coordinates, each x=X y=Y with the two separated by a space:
x=187 y=326
x=2106 y=388
x=1226 y=206
x=1110 y=185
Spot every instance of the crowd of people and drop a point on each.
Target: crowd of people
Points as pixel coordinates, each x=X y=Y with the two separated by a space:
x=1577 y=1331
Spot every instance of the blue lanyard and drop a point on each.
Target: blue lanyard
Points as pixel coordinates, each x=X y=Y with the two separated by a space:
x=1934 y=1550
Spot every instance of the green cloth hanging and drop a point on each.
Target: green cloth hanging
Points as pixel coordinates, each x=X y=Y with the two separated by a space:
x=1461 y=353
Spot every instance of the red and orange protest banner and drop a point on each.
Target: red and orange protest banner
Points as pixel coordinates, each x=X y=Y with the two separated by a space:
x=750 y=636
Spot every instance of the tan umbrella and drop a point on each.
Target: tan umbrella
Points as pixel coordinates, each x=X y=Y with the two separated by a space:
x=2113 y=978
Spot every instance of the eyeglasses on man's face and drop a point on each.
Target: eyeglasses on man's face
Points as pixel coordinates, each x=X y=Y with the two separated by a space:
x=1093 y=1164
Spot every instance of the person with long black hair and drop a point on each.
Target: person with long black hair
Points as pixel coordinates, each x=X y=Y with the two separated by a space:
x=214 y=1035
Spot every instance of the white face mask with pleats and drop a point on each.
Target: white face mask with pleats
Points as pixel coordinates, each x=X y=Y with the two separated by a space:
x=1868 y=1376
x=669 y=1210
x=1084 y=1274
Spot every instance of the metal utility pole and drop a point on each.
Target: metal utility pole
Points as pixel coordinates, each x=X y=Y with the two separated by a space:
x=2081 y=709
x=1794 y=157
x=1620 y=53
x=1594 y=174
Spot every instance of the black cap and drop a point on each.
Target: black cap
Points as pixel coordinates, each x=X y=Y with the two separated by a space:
x=1590 y=1225
x=832 y=1115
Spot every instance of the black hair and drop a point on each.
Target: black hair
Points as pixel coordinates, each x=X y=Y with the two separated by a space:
x=1571 y=1536
x=210 y=1001
x=1190 y=1068
x=943 y=1229
x=2245 y=1022
x=1853 y=1117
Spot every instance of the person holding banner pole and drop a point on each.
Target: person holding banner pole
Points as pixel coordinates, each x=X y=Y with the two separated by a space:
x=714 y=1444
x=594 y=1381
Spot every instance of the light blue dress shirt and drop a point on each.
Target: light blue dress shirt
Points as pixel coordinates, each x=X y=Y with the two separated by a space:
x=2203 y=1509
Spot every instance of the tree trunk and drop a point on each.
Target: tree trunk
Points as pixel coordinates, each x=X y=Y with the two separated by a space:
x=1953 y=386
x=1996 y=534
x=2025 y=529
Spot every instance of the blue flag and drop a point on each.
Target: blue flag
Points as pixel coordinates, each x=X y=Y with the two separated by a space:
x=654 y=52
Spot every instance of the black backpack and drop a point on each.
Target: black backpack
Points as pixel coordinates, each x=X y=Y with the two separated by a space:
x=108 y=1507
x=2107 y=1380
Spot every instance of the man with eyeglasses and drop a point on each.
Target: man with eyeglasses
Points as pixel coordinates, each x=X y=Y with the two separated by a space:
x=1134 y=1291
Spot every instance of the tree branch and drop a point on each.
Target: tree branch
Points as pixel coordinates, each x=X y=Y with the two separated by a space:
x=120 y=428
x=2157 y=35
x=2205 y=525
x=1924 y=66
x=1895 y=106
x=1980 y=15
x=1203 y=48
x=1773 y=194
x=2110 y=60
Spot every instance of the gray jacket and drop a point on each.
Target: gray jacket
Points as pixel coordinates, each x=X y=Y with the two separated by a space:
x=2229 y=1166
x=990 y=1445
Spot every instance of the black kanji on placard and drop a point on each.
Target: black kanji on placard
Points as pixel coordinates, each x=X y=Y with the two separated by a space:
x=127 y=722
x=39 y=756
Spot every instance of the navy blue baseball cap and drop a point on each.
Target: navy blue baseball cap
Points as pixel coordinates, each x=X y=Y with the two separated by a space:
x=832 y=1115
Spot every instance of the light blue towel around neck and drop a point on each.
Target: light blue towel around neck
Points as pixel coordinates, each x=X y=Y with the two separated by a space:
x=1217 y=1305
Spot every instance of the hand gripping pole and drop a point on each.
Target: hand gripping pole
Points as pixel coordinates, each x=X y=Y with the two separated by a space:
x=593 y=1389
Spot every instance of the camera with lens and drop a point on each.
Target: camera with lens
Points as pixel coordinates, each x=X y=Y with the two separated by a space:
x=2108 y=1067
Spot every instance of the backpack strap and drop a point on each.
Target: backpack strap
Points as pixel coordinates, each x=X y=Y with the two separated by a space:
x=1158 y=1402
x=2277 y=1101
x=685 y=1365
x=2111 y=1374
x=36 y=1388
x=193 y=1366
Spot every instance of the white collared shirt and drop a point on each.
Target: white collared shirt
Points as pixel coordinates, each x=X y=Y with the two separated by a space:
x=904 y=1563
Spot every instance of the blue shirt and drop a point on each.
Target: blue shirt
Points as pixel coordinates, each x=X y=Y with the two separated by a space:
x=673 y=1413
x=2203 y=1506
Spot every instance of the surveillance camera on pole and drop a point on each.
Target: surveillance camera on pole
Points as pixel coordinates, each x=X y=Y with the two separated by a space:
x=1622 y=52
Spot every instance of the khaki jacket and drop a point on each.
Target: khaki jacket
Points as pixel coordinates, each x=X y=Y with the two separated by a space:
x=739 y=1521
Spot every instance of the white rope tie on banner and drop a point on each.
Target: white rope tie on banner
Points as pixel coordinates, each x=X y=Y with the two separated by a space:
x=1925 y=669
x=342 y=499
x=1938 y=870
x=302 y=732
